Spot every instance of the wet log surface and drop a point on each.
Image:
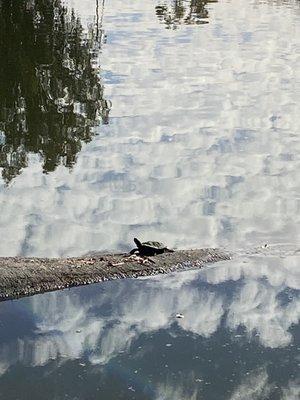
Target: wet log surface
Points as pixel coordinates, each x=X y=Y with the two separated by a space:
x=27 y=276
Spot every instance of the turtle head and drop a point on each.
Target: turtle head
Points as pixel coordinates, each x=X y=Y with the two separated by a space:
x=137 y=242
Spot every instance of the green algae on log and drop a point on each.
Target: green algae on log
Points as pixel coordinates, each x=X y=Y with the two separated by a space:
x=27 y=276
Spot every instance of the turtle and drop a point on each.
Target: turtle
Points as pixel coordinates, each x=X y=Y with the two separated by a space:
x=149 y=248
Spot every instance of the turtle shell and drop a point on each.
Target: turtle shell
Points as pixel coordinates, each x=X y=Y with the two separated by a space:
x=154 y=245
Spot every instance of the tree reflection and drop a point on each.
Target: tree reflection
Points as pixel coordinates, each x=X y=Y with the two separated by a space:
x=176 y=12
x=50 y=93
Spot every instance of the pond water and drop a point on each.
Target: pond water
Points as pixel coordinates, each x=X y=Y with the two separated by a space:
x=239 y=337
x=168 y=120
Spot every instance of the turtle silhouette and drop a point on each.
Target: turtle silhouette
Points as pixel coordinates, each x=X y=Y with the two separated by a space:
x=150 y=248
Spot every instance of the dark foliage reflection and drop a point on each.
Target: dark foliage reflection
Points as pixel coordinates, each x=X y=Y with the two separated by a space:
x=176 y=12
x=50 y=93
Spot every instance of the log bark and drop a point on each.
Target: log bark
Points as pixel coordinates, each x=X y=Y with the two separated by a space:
x=27 y=276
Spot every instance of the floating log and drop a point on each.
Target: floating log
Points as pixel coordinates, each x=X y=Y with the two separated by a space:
x=27 y=276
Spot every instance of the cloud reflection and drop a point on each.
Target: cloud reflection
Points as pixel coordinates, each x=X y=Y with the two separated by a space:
x=254 y=387
x=68 y=324
x=215 y=164
x=292 y=392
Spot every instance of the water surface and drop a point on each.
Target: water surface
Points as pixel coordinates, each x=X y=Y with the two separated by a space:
x=239 y=338
x=167 y=120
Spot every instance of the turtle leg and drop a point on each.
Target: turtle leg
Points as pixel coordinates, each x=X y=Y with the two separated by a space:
x=133 y=251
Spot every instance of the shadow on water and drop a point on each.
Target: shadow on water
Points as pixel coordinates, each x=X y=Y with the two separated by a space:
x=51 y=96
x=178 y=12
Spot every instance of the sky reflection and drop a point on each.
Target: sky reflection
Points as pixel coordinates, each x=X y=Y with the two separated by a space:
x=243 y=314
x=202 y=145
